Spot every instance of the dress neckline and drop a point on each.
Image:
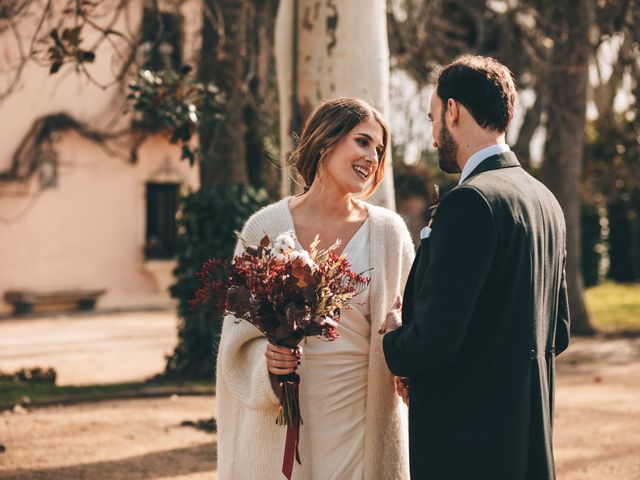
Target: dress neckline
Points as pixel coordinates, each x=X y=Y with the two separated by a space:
x=361 y=228
x=356 y=233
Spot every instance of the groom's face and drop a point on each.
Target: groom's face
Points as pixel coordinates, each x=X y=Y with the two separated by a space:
x=443 y=141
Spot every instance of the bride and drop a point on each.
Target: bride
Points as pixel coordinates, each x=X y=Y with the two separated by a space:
x=354 y=423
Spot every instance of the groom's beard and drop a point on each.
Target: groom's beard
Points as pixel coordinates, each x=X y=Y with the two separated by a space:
x=447 y=151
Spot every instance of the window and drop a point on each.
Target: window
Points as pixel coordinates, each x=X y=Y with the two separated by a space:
x=162 y=205
x=161 y=40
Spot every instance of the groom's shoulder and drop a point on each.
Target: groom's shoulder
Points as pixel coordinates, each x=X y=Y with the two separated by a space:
x=506 y=182
x=511 y=188
x=503 y=182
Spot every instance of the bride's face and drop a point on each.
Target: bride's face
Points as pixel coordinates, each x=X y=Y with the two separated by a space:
x=351 y=165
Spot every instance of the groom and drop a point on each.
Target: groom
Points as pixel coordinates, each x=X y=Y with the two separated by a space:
x=485 y=307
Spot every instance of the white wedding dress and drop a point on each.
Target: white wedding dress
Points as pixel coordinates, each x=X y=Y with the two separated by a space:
x=333 y=390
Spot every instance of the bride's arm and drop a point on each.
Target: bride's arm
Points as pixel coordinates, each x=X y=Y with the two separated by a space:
x=241 y=362
x=241 y=354
x=407 y=254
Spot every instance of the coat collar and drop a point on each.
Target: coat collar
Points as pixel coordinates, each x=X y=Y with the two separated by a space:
x=494 y=162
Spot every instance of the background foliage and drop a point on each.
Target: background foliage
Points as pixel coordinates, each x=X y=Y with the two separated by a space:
x=207 y=220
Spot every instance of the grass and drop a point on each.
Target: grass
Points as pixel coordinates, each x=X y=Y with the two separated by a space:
x=12 y=393
x=615 y=307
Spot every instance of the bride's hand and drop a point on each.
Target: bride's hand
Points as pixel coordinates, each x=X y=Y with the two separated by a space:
x=394 y=317
x=282 y=360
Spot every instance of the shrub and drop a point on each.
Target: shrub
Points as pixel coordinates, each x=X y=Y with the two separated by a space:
x=206 y=223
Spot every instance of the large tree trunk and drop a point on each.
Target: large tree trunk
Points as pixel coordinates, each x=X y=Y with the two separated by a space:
x=329 y=49
x=223 y=59
x=261 y=112
x=532 y=118
x=567 y=80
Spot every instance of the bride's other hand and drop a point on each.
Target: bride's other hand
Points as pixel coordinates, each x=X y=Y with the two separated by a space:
x=394 y=317
x=402 y=389
x=282 y=360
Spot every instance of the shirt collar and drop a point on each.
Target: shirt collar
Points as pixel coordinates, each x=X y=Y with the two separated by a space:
x=481 y=155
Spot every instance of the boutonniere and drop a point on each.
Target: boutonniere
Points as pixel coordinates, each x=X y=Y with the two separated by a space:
x=435 y=199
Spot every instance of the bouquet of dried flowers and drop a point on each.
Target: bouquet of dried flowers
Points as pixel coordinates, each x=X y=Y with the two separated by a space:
x=288 y=295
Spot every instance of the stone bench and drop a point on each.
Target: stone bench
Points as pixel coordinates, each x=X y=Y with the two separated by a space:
x=23 y=301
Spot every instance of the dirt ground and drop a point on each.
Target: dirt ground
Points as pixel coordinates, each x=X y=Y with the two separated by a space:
x=597 y=421
x=597 y=429
x=113 y=440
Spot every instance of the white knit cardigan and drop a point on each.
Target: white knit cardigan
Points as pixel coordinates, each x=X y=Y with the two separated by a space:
x=250 y=444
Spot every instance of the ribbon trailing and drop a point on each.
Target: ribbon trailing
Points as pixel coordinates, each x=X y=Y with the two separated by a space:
x=289 y=415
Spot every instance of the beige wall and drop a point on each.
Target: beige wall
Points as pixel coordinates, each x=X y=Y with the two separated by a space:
x=89 y=231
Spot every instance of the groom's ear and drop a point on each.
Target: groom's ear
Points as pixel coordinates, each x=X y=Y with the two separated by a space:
x=453 y=110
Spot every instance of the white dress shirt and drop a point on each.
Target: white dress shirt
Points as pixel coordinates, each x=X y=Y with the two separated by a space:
x=478 y=157
x=473 y=161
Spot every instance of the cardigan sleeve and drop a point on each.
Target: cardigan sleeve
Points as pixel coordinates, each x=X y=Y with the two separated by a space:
x=407 y=255
x=241 y=359
x=404 y=256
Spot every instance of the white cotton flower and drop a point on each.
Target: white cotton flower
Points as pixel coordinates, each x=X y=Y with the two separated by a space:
x=284 y=244
x=281 y=257
x=304 y=256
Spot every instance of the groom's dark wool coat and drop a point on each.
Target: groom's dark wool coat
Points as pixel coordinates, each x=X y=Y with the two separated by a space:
x=485 y=312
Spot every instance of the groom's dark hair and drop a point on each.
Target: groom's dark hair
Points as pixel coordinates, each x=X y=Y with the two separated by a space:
x=484 y=86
